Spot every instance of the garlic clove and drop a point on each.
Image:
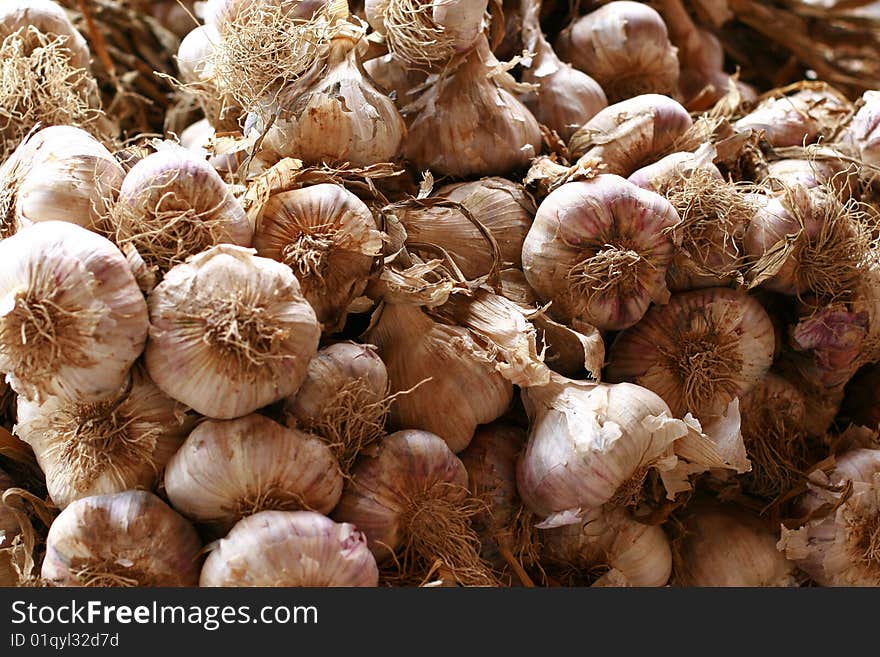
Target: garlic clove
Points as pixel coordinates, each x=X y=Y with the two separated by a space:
x=126 y=539
x=230 y=332
x=291 y=548
x=227 y=470
x=72 y=319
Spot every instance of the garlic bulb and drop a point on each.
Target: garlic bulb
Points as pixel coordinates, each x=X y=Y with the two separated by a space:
x=108 y=446
x=807 y=239
x=290 y=548
x=863 y=131
x=230 y=332
x=467 y=124
x=630 y=134
x=49 y=18
x=824 y=167
x=196 y=58
x=59 y=173
x=724 y=546
x=193 y=54
x=799 y=118
x=173 y=205
x=610 y=540
x=329 y=238
x=449 y=380
x=590 y=444
x=230 y=469
x=125 y=539
x=698 y=352
x=427 y=32
x=833 y=338
x=501 y=207
x=669 y=171
x=72 y=320
x=566 y=97
x=344 y=399
x=598 y=250
x=335 y=114
x=839 y=544
x=410 y=498
x=625 y=47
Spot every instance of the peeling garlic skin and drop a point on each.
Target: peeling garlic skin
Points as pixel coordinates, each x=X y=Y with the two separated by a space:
x=291 y=548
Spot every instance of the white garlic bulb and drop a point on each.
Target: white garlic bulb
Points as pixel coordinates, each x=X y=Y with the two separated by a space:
x=630 y=134
x=330 y=240
x=590 y=444
x=699 y=352
x=173 y=205
x=72 y=319
x=290 y=548
x=625 y=47
x=60 y=173
x=451 y=384
x=107 y=446
x=128 y=539
x=230 y=332
x=49 y=18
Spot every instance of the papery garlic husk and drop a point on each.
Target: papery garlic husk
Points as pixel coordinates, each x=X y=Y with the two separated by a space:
x=344 y=399
x=59 y=173
x=839 y=544
x=698 y=352
x=774 y=415
x=427 y=32
x=467 y=124
x=130 y=539
x=394 y=77
x=625 y=47
x=330 y=240
x=496 y=205
x=72 y=319
x=508 y=539
x=812 y=112
x=862 y=132
x=230 y=332
x=227 y=470
x=290 y=548
x=607 y=547
x=109 y=446
x=598 y=250
x=335 y=114
x=198 y=137
x=808 y=240
x=566 y=97
x=410 y=498
x=590 y=444
x=630 y=134
x=450 y=381
x=173 y=205
x=724 y=546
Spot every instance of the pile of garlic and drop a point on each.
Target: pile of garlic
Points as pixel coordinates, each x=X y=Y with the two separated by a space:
x=394 y=311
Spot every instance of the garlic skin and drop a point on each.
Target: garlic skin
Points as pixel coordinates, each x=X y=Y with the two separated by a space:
x=625 y=47
x=335 y=114
x=634 y=554
x=630 y=134
x=49 y=18
x=344 y=399
x=8 y=522
x=197 y=138
x=103 y=447
x=724 y=546
x=229 y=332
x=393 y=76
x=598 y=250
x=466 y=124
x=590 y=444
x=566 y=98
x=502 y=207
x=227 y=470
x=126 y=539
x=863 y=130
x=797 y=119
x=416 y=350
x=72 y=319
x=330 y=240
x=698 y=352
x=290 y=548
x=60 y=173
x=840 y=547
x=173 y=205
